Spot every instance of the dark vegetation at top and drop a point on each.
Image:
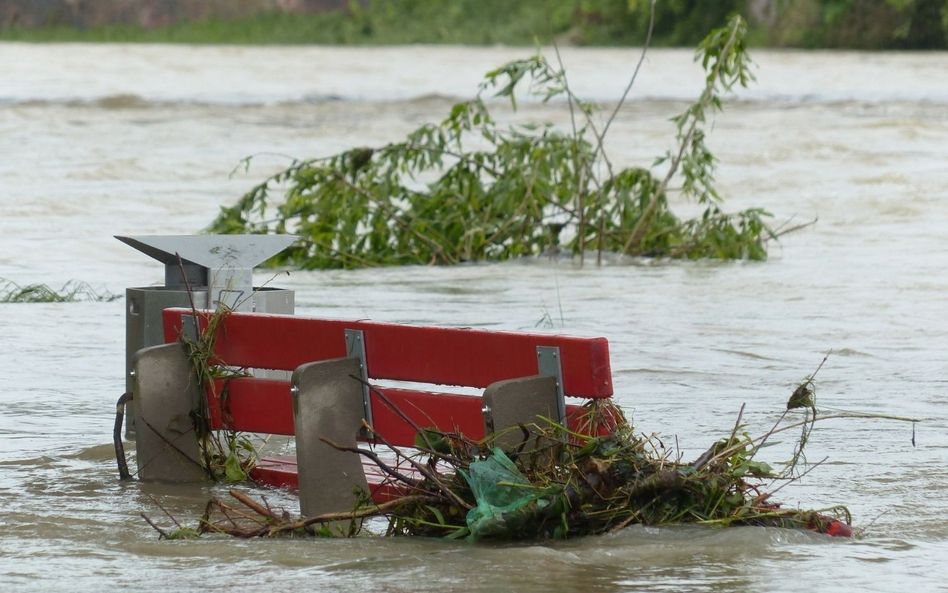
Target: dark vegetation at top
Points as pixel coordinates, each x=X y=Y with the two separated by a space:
x=857 y=24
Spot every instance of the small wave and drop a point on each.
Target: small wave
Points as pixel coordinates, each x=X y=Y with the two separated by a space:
x=851 y=352
x=314 y=99
x=104 y=452
x=132 y=101
x=108 y=102
x=122 y=101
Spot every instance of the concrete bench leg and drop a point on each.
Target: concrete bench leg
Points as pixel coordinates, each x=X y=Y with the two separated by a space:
x=165 y=394
x=327 y=403
x=518 y=401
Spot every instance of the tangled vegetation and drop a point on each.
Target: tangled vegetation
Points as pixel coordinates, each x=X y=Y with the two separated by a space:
x=504 y=192
x=556 y=484
x=72 y=291
x=226 y=454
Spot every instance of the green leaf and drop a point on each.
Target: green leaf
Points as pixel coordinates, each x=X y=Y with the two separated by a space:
x=438 y=442
x=437 y=514
x=184 y=533
x=233 y=470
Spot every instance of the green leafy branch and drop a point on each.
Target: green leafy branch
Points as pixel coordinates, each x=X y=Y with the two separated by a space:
x=470 y=189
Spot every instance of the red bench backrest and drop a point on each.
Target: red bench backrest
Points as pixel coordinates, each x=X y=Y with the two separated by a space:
x=436 y=355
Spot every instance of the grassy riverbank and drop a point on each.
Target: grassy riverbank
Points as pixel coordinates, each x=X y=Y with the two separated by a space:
x=385 y=22
x=857 y=24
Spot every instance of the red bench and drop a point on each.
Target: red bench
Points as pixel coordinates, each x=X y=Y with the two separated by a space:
x=523 y=375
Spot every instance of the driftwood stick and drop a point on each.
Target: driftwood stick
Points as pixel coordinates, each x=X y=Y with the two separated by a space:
x=252 y=504
x=241 y=513
x=223 y=509
x=781 y=231
x=237 y=531
x=795 y=478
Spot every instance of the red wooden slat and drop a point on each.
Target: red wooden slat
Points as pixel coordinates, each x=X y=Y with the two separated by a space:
x=277 y=473
x=253 y=405
x=444 y=356
x=447 y=412
x=265 y=406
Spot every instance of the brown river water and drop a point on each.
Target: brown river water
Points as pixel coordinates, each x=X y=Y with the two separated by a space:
x=103 y=140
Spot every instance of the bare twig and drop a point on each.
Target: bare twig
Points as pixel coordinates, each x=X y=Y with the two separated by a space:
x=793 y=479
x=401 y=414
x=737 y=423
x=187 y=286
x=779 y=233
x=381 y=509
x=421 y=467
x=727 y=452
x=648 y=41
x=163 y=509
x=161 y=532
x=226 y=507
x=641 y=225
x=375 y=459
x=170 y=444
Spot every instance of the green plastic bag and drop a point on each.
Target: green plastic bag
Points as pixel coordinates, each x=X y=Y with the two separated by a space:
x=505 y=498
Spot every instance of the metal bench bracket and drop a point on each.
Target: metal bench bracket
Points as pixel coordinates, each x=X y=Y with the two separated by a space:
x=548 y=363
x=355 y=348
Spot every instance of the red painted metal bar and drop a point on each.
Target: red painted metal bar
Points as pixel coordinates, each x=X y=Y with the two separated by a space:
x=265 y=406
x=439 y=355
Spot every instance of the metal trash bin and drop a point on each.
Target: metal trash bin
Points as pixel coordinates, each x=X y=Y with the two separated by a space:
x=217 y=268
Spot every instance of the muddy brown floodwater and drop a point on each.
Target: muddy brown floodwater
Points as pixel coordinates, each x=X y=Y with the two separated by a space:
x=103 y=140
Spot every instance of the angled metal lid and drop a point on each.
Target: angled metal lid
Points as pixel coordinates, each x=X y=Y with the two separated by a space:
x=211 y=251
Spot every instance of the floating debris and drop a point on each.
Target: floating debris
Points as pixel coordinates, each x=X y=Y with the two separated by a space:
x=556 y=484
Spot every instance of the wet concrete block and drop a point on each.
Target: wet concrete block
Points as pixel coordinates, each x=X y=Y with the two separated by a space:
x=518 y=401
x=165 y=394
x=327 y=403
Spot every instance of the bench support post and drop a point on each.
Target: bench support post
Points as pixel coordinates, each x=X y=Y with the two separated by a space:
x=166 y=392
x=549 y=363
x=327 y=403
x=518 y=401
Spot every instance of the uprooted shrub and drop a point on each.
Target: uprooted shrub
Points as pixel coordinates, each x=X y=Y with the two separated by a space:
x=470 y=189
